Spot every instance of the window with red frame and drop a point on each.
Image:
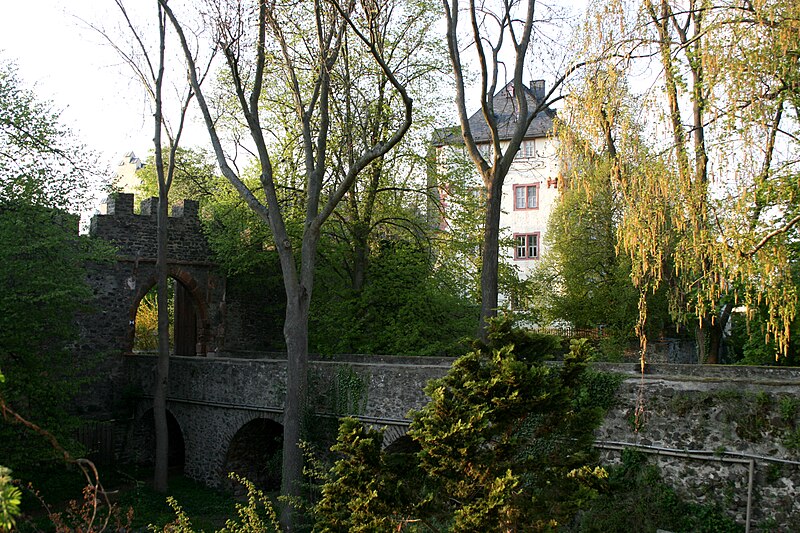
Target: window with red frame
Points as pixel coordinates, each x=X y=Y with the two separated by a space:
x=526 y=197
x=527 y=246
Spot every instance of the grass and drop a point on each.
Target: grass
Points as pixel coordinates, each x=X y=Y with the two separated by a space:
x=129 y=489
x=207 y=507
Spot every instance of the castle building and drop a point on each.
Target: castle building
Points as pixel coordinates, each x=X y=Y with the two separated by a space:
x=530 y=190
x=125 y=179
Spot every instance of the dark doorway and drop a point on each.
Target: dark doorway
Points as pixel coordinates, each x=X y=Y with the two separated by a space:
x=185 y=326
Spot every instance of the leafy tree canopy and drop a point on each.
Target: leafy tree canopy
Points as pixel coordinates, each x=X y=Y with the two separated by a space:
x=42 y=258
x=405 y=307
x=195 y=177
x=582 y=279
x=42 y=282
x=704 y=151
x=40 y=160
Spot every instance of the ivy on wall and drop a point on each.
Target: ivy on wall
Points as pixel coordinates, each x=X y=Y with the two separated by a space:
x=349 y=392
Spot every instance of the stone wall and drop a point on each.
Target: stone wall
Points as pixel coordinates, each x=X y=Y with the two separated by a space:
x=237 y=313
x=213 y=398
x=681 y=351
x=702 y=424
x=254 y=316
x=391 y=385
x=134 y=235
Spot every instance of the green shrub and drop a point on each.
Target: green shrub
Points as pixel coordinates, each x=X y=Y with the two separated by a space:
x=10 y=499
x=505 y=443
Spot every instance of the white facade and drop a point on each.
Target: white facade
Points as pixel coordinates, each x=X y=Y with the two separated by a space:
x=125 y=178
x=530 y=192
x=530 y=189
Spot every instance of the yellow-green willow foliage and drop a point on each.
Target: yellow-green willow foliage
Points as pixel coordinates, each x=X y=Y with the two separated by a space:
x=697 y=105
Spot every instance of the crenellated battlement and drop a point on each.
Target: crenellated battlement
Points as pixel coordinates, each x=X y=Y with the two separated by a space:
x=135 y=234
x=121 y=205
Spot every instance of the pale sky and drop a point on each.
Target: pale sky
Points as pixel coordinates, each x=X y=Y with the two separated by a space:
x=69 y=64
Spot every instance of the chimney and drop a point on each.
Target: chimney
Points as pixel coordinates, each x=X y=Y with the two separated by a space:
x=537 y=88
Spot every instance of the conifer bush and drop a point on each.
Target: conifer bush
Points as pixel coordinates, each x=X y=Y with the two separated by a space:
x=505 y=444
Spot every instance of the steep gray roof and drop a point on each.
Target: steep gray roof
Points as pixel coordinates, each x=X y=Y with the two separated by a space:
x=504 y=109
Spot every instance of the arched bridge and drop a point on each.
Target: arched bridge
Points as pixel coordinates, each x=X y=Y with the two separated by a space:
x=215 y=401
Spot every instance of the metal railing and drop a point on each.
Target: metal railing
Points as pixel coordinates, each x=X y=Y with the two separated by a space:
x=568 y=332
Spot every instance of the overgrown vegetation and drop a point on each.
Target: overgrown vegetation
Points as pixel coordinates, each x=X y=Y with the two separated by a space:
x=750 y=343
x=135 y=504
x=635 y=498
x=701 y=154
x=752 y=417
x=10 y=499
x=581 y=279
x=44 y=178
x=42 y=276
x=406 y=306
x=146 y=331
x=255 y=515
x=43 y=173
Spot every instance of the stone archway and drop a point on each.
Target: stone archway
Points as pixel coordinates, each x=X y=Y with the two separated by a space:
x=143 y=442
x=191 y=323
x=255 y=453
x=402 y=445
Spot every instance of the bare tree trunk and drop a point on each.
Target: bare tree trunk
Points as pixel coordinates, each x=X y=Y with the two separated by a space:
x=714 y=344
x=717 y=334
x=490 y=258
x=319 y=207
x=515 y=29
x=150 y=70
x=160 y=483
x=700 y=339
x=360 y=247
x=295 y=331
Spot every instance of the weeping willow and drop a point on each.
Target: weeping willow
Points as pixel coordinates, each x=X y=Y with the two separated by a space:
x=695 y=105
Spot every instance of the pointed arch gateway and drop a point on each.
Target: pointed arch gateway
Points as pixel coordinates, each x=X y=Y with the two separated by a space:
x=191 y=326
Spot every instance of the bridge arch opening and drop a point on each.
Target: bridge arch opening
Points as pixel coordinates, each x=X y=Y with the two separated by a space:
x=144 y=442
x=188 y=316
x=403 y=444
x=255 y=453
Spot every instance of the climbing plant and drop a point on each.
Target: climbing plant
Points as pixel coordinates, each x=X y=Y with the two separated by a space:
x=635 y=498
x=350 y=391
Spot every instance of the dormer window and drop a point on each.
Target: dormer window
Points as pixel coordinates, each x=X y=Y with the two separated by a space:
x=529 y=149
